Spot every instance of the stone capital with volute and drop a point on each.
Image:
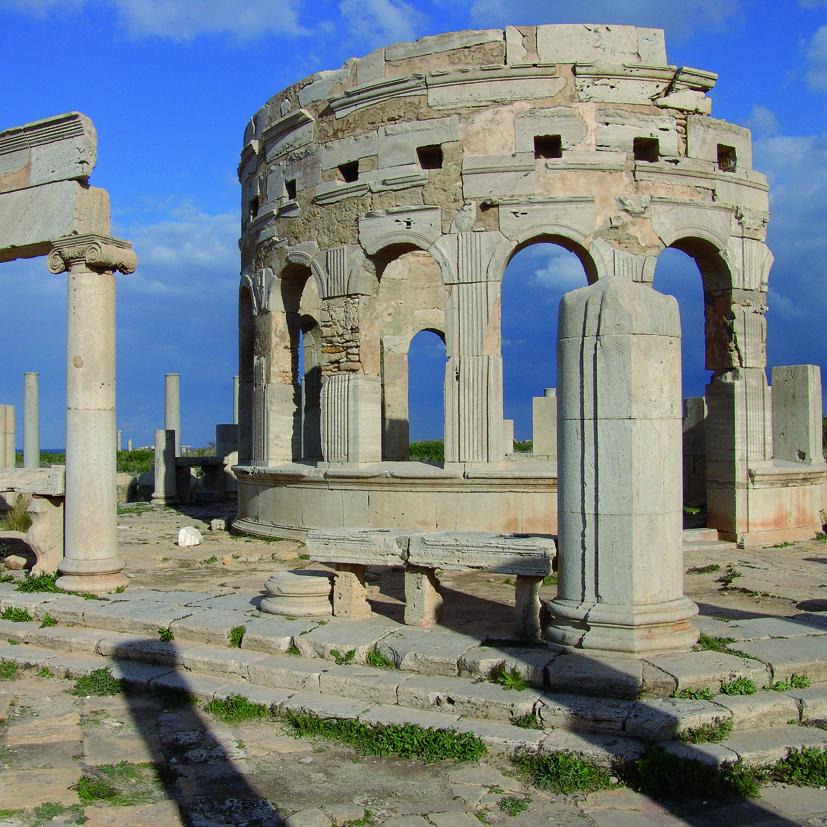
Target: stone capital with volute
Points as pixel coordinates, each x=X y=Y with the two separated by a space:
x=94 y=252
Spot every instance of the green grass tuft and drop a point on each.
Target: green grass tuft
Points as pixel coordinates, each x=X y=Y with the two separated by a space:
x=660 y=774
x=17 y=517
x=711 y=568
x=166 y=634
x=38 y=583
x=45 y=672
x=343 y=659
x=715 y=732
x=528 y=721
x=562 y=772
x=52 y=811
x=403 y=740
x=47 y=621
x=235 y=709
x=8 y=670
x=731 y=574
x=119 y=785
x=714 y=644
x=507 y=678
x=235 y=636
x=512 y=805
x=16 y=615
x=694 y=694
x=739 y=686
x=795 y=682
x=99 y=682
x=294 y=650
x=550 y=580
x=806 y=767
x=379 y=661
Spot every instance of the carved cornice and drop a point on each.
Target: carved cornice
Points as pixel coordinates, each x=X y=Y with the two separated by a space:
x=97 y=252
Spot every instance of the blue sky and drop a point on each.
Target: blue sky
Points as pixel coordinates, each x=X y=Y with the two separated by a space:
x=170 y=85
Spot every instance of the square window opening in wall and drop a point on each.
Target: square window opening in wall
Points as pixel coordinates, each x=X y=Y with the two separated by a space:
x=646 y=149
x=548 y=146
x=727 y=158
x=254 y=207
x=290 y=190
x=430 y=157
x=349 y=172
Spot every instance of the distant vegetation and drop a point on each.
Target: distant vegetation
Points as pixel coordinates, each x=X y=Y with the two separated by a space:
x=433 y=450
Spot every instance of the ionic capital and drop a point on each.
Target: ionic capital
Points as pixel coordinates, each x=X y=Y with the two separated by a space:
x=97 y=252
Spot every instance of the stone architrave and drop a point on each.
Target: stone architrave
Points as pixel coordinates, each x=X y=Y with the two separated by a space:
x=620 y=507
x=91 y=562
x=31 y=421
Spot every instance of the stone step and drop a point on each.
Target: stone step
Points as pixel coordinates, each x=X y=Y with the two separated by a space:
x=700 y=535
x=754 y=747
x=654 y=719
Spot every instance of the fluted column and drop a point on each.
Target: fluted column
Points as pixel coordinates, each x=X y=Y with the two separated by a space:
x=91 y=562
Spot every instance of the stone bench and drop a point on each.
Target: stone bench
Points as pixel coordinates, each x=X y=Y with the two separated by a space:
x=529 y=558
x=45 y=488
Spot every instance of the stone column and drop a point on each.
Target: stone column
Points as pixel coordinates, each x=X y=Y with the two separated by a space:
x=7 y=437
x=797 y=424
x=172 y=407
x=31 y=421
x=129 y=444
x=91 y=562
x=165 y=487
x=544 y=424
x=619 y=495
x=235 y=400
x=120 y=440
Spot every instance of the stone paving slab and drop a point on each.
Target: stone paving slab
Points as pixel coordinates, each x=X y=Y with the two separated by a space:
x=136 y=617
x=67 y=638
x=287 y=672
x=530 y=662
x=136 y=672
x=379 y=686
x=761 y=710
x=200 y=686
x=164 y=813
x=325 y=706
x=257 y=694
x=474 y=700
x=105 y=748
x=602 y=749
x=36 y=787
x=360 y=637
x=802 y=656
x=215 y=661
x=64 y=608
x=707 y=670
x=273 y=633
x=24 y=655
x=813 y=702
x=231 y=602
x=581 y=712
x=611 y=677
x=44 y=730
x=766 y=746
x=710 y=754
x=661 y=719
x=9 y=630
x=385 y=714
x=144 y=649
x=759 y=628
x=427 y=651
x=500 y=736
x=206 y=626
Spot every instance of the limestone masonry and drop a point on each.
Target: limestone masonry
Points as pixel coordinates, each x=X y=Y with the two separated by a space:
x=387 y=197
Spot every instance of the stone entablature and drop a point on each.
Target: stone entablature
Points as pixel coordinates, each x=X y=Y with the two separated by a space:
x=388 y=196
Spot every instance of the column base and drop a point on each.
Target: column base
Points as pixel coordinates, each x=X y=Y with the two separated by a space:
x=631 y=630
x=91 y=576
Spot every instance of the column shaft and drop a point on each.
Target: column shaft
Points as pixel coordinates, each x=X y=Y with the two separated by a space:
x=172 y=408
x=31 y=421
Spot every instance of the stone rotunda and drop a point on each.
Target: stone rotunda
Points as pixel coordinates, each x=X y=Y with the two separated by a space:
x=387 y=197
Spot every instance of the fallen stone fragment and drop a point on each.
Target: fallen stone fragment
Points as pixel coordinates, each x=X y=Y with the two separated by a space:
x=189 y=536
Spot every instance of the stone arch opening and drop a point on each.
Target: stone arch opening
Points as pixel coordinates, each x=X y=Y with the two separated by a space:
x=302 y=316
x=410 y=297
x=427 y=356
x=537 y=276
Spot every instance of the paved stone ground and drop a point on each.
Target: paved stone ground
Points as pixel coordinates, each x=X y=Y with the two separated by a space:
x=184 y=767
x=173 y=764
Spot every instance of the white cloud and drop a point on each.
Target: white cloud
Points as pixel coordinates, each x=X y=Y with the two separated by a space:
x=190 y=253
x=557 y=269
x=762 y=121
x=184 y=20
x=817 y=61
x=679 y=18
x=381 y=22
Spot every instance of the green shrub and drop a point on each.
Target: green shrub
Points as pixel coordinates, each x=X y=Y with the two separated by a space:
x=343 y=659
x=795 y=682
x=513 y=806
x=714 y=644
x=8 y=670
x=562 y=772
x=47 y=621
x=38 y=583
x=136 y=462
x=528 y=721
x=806 y=767
x=694 y=694
x=427 y=450
x=17 y=517
x=507 y=678
x=166 y=634
x=715 y=732
x=404 y=740
x=235 y=636
x=379 y=661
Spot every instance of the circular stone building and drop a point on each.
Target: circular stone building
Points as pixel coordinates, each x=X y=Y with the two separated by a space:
x=387 y=197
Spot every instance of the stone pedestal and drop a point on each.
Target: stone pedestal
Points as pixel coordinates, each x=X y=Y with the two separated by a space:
x=172 y=407
x=350 y=596
x=31 y=421
x=351 y=418
x=298 y=594
x=165 y=471
x=423 y=599
x=620 y=504
x=91 y=562
x=796 y=414
x=544 y=424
